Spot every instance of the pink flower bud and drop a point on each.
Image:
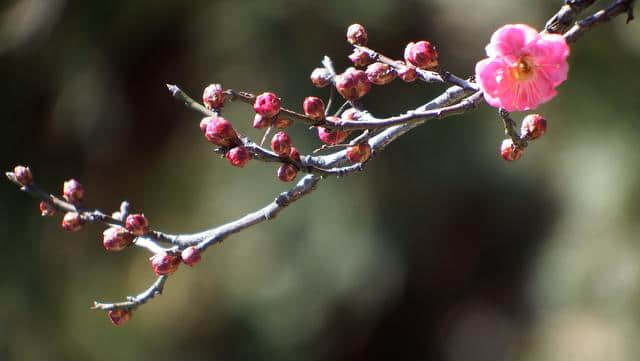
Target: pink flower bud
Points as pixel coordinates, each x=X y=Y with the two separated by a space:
x=380 y=73
x=509 y=151
x=352 y=84
x=281 y=144
x=191 y=256
x=47 y=209
x=351 y=114
x=238 y=156
x=313 y=108
x=23 y=175
x=332 y=137
x=72 y=222
x=220 y=132
x=137 y=224
x=73 y=191
x=320 y=77
x=116 y=239
x=294 y=154
x=213 y=96
x=422 y=55
x=360 y=58
x=359 y=153
x=534 y=126
x=164 y=263
x=260 y=122
x=407 y=73
x=267 y=104
x=282 y=122
x=287 y=172
x=119 y=316
x=357 y=34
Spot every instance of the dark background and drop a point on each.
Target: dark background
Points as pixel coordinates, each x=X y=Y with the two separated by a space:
x=439 y=251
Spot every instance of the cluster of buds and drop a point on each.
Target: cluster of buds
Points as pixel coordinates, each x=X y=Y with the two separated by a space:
x=533 y=127
x=220 y=132
x=281 y=145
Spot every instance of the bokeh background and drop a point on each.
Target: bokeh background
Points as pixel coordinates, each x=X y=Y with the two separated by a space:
x=439 y=251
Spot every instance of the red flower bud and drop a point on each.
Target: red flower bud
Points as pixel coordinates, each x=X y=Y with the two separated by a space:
x=509 y=151
x=357 y=34
x=359 y=153
x=72 y=222
x=47 y=209
x=213 y=96
x=380 y=73
x=23 y=175
x=281 y=144
x=119 y=316
x=294 y=154
x=220 y=132
x=360 y=58
x=313 y=108
x=332 y=137
x=352 y=84
x=407 y=73
x=287 y=172
x=351 y=114
x=422 y=55
x=320 y=77
x=191 y=256
x=116 y=239
x=137 y=224
x=238 y=156
x=260 y=122
x=164 y=263
x=267 y=104
x=73 y=191
x=282 y=122
x=203 y=124
x=534 y=126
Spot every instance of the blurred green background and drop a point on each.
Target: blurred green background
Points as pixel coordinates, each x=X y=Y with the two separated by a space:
x=439 y=251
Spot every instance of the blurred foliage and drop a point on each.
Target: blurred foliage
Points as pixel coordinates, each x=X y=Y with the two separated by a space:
x=439 y=251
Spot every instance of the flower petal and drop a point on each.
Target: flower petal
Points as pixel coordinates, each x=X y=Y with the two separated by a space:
x=510 y=40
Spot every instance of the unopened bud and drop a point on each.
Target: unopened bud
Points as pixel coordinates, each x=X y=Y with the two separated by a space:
x=422 y=55
x=137 y=224
x=260 y=122
x=116 y=239
x=534 y=126
x=220 y=132
x=72 y=222
x=47 y=209
x=119 y=316
x=352 y=84
x=23 y=175
x=238 y=156
x=164 y=263
x=294 y=154
x=332 y=137
x=357 y=35
x=360 y=58
x=281 y=144
x=213 y=96
x=359 y=153
x=351 y=114
x=287 y=172
x=320 y=77
x=267 y=104
x=407 y=73
x=509 y=151
x=313 y=108
x=380 y=73
x=73 y=191
x=190 y=256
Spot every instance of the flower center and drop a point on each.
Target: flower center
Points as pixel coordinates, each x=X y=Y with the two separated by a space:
x=522 y=70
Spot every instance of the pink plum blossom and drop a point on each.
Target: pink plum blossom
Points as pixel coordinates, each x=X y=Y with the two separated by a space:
x=523 y=67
